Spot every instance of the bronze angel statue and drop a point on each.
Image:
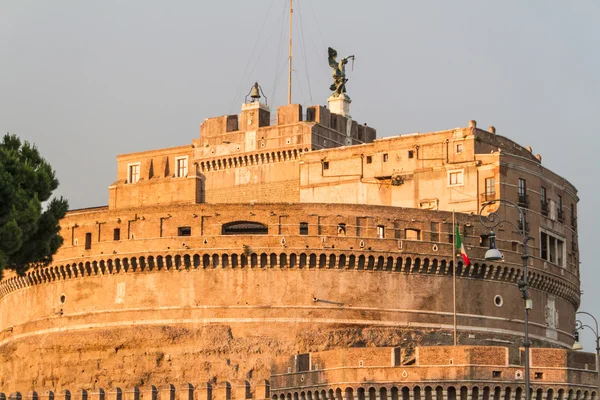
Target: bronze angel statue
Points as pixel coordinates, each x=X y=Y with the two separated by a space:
x=339 y=72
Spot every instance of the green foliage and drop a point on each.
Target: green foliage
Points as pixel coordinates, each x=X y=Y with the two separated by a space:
x=28 y=234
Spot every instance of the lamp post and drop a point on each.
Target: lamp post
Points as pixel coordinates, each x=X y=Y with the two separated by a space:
x=577 y=346
x=491 y=221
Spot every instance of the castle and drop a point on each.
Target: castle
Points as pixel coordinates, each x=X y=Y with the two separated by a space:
x=299 y=257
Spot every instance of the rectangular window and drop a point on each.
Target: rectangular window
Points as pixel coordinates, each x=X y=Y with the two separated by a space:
x=411 y=154
x=560 y=202
x=117 y=234
x=455 y=178
x=380 y=231
x=369 y=159
x=304 y=228
x=543 y=195
x=412 y=234
x=133 y=173
x=88 y=240
x=325 y=164
x=522 y=187
x=544 y=201
x=435 y=231
x=490 y=188
x=459 y=148
x=341 y=229
x=544 y=246
x=385 y=157
x=559 y=208
x=181 y=163
x=552 y=249
x=184 y=231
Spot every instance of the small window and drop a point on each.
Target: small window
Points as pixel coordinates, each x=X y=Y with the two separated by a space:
x=181 y=163
x=543 y=195
x=385 y=157
x=490 y=188
x=412 y=234
x=133 y=173
x=88 y=240
x=304 y=228
x=459 y=148
x=496 y=374
x=380 y=231
x=369 y=159
x=552 y=249
x=117 y=234
x=184 y=231
x=538 y=375
x=455 y=178
x=498 y=300
x=522 y=187
x=484 y=241
x=560 y=202
x=341 y=229
x=325 y=165
x=411 y=154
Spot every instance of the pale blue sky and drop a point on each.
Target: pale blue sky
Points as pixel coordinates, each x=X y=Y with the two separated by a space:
x=87 y=80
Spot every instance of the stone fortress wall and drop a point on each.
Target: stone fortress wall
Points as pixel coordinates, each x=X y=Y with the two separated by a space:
x=441 y=373
x=122 y=302
x=212 y=259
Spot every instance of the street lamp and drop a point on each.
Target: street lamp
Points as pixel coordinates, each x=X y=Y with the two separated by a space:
x=491 y=221
x=577 y=346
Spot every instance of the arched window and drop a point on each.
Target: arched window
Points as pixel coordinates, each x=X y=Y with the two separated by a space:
x=244 y=228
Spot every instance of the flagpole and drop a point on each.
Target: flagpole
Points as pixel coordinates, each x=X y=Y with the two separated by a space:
x=454 y=273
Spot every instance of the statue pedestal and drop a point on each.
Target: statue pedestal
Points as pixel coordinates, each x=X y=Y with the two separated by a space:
x=340 y=105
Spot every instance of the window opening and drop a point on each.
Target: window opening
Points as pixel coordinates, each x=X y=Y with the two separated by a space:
x=182 y=166
x=455 y=178
x=522 y=190
x=552 y=249
x=184 y=231
x=412 y=234
x=543 y=195
x=411 y=153
x=134 y=173
x=304 y=228
x=459 y=148
x=490 y=188
x=522 y=187
x=341 y=229
x=244 y=228
x=369 y=159
x=559 y=208
x=544 y=200
x=484 y=241
x=325 y=164
x=380 y=231
x=88 y=240
x=117 y=234
x=385 y=157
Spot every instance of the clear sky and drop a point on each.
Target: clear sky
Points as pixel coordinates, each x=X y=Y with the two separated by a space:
x=87 y=80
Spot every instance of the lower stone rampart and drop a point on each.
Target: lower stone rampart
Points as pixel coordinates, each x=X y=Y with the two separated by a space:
x=238 y=390
x=440 y=373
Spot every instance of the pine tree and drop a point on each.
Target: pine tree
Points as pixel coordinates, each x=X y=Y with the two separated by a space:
x=28 y=216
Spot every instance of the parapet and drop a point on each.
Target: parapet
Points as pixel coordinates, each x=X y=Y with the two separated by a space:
x=224 y=390
x=451 y=369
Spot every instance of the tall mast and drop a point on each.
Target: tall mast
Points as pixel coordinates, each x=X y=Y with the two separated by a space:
x=290 y=59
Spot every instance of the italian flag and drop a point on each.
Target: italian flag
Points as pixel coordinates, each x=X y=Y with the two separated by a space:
x=460 y=246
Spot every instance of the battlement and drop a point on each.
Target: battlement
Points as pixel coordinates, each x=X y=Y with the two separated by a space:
x=450 y=372
x=235 y=390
